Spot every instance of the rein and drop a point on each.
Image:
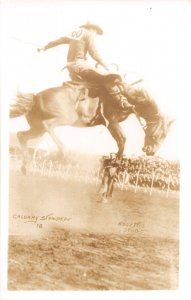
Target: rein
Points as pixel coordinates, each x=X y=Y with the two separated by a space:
x=140 y=121
x=139 y=118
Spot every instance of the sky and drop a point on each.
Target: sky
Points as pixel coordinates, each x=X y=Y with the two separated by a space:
x=147 y=39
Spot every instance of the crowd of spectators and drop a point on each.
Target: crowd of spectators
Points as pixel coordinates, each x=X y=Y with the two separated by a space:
x=154 y=171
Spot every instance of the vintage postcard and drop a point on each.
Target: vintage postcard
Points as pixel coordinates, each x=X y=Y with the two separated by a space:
x=93 y=97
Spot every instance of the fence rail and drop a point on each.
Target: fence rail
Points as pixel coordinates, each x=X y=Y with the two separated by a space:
x=135 y=181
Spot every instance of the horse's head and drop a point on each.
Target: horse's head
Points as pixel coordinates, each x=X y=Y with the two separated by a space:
x=155 y=133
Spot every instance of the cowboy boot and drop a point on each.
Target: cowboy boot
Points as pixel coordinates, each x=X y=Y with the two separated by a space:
x=117 y=96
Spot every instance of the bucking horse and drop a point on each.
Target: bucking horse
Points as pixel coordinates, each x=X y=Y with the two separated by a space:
x=81 y=104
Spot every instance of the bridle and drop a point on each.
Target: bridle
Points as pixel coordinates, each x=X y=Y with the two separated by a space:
x=145 y=126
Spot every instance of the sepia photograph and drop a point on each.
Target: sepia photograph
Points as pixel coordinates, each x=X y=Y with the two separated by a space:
x=91 y=166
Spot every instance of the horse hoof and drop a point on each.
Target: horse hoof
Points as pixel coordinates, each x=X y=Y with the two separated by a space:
x=21 y=138
x=104 y=200
x=23 y=170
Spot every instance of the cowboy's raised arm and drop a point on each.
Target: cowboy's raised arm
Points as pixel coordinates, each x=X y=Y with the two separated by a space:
x=62 y=40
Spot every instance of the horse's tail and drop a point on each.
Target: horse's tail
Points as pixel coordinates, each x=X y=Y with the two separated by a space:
x=22 y=105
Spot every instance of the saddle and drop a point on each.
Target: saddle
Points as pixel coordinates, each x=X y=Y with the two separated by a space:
x=86 y=89
x=91 y=87
x=89 y=105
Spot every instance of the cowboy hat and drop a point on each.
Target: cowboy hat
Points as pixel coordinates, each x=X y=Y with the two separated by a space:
x=89 y=25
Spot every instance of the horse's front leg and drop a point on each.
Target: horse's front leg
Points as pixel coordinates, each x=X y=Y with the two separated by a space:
x=117 y=133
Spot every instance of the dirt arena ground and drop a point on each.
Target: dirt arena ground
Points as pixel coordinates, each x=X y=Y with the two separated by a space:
x=61 y=238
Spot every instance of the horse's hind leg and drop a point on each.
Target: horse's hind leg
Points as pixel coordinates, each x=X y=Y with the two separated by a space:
x=49 y=126
x=23 y=138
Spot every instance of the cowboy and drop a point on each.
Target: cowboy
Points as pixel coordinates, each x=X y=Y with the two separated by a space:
x=82 y=42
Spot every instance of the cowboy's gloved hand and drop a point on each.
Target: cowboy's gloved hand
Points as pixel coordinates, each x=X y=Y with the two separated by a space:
x=41 y=49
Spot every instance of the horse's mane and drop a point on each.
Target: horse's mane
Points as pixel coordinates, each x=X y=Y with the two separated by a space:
x=158 y=128
x=148 y=109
